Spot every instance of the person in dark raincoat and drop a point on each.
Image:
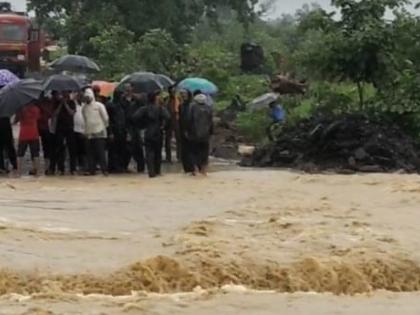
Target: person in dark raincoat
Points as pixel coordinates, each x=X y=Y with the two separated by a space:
x=47 y=109
x=184 y=110
x=7 y=145
x=118 y=146
x=200 y=132
x=64 y=140
x=153 y=118
x=131 y=103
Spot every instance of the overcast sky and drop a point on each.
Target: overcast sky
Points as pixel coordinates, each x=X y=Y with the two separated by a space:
x=290 y=6
x=18 y=5
x=281 y=6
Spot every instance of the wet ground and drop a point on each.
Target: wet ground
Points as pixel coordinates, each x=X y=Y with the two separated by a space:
x=240 y=241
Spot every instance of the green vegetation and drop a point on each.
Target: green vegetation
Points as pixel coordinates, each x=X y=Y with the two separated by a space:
x=357 y=59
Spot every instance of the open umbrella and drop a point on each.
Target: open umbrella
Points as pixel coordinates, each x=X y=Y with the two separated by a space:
x=61 y=83
x=16 y=95
x=263 y=101
x=75 y=63
x=165 y=80
x=195 y=84
x=106 y=88
x=7 y=77
x=143 y=82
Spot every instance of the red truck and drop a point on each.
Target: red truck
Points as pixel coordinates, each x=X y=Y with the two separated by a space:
x=20 y=42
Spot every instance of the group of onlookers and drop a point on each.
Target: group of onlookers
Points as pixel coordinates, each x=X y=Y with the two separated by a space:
x=86 y=132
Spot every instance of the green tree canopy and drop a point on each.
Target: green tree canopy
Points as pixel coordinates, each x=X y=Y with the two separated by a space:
x=83 y=19
x=359 y=46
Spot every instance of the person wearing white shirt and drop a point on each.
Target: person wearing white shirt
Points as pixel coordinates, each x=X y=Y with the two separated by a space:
x=96 y=123
x=79 y=135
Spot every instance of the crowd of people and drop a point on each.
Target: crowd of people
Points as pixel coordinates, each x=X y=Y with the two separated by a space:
x=87 y=132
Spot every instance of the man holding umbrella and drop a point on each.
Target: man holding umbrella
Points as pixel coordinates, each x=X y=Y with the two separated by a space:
x=6 y=134
x=64 y=135
x=62 y=121
x=13 y=97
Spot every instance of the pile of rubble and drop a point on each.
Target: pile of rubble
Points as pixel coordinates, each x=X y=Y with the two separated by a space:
x=351 y=143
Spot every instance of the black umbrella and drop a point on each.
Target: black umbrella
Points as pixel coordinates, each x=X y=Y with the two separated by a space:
x=165 y=80
x=61 y=83
x=75 y=63
x=143 y=82
x=16 y=95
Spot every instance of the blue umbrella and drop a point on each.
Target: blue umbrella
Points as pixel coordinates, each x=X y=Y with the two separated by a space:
x=195 y=84
x=7 y=77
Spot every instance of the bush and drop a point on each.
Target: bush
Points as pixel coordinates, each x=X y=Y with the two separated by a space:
x=247 y=86
x=253 y=125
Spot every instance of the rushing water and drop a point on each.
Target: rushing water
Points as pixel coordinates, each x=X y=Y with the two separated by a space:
x=240 y=241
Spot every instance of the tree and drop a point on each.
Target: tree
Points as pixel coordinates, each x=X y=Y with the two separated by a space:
x=358 y=47
x=116 y=52
x=158 y=51
x=178 y=17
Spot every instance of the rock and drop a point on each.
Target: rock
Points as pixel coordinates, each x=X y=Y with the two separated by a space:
x=371 y=169
x=227 y=151
x=360 y=154
x=246 y=150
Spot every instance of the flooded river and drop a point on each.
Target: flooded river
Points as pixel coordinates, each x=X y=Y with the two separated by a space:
x=238 y=242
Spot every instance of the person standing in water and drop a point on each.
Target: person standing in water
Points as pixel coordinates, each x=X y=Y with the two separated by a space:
x=96 y=124
x=63 y=127
x=184 y=111
x=29 y=137
x=172 y=103
x=7 y=145
x=131 y=103
x=153 y=118
x=79 y=134
x=46 y=108
x=200 y=131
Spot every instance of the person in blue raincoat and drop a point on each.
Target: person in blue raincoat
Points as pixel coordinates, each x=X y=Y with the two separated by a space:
x=278 y=116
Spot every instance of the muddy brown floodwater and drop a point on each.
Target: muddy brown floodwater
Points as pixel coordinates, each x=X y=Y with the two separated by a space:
x=239 y=242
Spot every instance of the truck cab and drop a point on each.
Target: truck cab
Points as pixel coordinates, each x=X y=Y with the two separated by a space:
x=20 y=48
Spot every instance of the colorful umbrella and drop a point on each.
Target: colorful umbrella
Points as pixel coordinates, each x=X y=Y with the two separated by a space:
x=16 y=95
x=106 y=88
x=7 y=77
x=195 y=84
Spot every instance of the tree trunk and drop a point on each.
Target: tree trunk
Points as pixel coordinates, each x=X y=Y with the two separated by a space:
x=360 y=89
